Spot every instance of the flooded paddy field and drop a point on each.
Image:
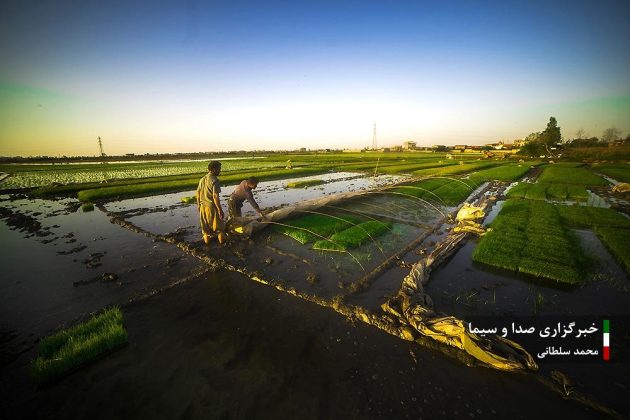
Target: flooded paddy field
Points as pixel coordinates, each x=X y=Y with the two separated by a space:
x=227 y=346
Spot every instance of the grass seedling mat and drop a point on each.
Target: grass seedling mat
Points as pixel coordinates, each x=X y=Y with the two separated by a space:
x=353 y=237
x=312 y=227
x=305 y=183
x=74 y=347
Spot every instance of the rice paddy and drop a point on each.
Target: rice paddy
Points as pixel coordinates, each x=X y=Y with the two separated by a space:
x=73 y=347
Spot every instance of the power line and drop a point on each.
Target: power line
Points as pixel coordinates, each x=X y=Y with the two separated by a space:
x=374 y=138
x=100 y=146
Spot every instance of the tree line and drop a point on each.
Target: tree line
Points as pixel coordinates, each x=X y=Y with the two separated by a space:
x=550 y=140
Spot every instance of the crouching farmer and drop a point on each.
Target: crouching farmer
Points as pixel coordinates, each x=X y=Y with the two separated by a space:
x=240 y=194
x=209 y=203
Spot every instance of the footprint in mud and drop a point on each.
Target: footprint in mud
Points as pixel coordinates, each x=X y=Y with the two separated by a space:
x=74 y=250
x=105 y=278
x=94 y=260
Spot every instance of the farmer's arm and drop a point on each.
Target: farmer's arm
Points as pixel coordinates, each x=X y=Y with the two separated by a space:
x=217 y=203
x=250 y=198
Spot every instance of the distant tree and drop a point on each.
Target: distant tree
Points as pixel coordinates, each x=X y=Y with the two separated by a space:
x=551 y=136
x=611 y=134
x=532 y=137
x=580 y=134
x=440 y=148
x=590 y=142
x=539 y=144
x=532 y=146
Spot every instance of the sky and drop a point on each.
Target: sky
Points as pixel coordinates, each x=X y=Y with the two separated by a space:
x=191 y=76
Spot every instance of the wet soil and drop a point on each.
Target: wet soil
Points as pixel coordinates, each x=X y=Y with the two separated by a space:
x=216 y=344
x=224 y=347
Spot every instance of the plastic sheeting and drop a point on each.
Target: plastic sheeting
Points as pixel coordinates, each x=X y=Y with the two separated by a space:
x=621 y=187
x=414 y=309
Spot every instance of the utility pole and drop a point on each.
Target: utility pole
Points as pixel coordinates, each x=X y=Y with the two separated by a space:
x=374 y=138
x=100 y=147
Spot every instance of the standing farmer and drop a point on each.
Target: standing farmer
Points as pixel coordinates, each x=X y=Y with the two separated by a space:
x=241 y=193
x=209 y=204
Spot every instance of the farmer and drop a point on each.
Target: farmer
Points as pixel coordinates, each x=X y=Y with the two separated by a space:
x=241 y=193
x=209 y=204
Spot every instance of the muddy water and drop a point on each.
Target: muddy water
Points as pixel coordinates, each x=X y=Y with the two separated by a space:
x=165 y=213
x=57 y=273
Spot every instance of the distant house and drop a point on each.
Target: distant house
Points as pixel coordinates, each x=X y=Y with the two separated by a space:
x=409 y=145
x=459 y=148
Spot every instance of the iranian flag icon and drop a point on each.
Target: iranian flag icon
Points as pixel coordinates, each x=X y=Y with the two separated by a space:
x=606 y=339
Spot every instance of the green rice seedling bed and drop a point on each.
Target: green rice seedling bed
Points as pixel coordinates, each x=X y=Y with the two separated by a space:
x=537 y=191
x=312 y=227
x=411 y=167
x=618 y=242
x=353 y=237
x=305 y=183
x=73 y=347
x=438 y=190
x=562 y=174
x=529 y=237
x=619 y=172
x=86 y=207
x=455 y=169
x=507 y=172
x=592 y=217
x=546 y=191
x=519 y=190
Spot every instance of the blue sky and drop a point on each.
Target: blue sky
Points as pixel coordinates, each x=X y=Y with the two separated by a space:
x=201 y=76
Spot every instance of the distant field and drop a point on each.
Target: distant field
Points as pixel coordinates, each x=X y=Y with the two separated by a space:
x=119 y=180
x=29 y=176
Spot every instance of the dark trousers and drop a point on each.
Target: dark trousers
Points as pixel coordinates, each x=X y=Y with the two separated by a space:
x=234 y=208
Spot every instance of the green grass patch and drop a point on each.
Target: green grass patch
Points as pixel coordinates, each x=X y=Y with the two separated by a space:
x=619 y=172
x=537 y=192
x=529 y=237
x=506 y=173
x=438 y=190
x=305 y=183
x=456 y=169
x=73 y=347
x=189 y=199
x=312 y=227
x=353 y=237
x=592 y=217
x=86 y=207
x=547 y=191
x=566 y=174
x=618 y=242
